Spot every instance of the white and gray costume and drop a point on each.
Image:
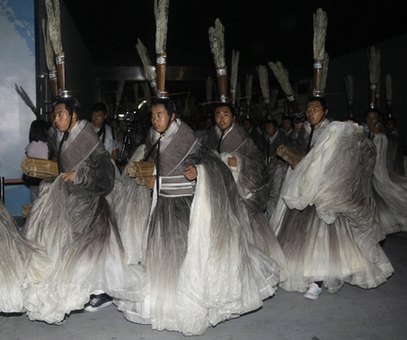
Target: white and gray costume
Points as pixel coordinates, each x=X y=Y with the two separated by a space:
x=253 y=185
x=276 y=168
x=390 y=189
x=21 y=263
x=326 y=218
x=200 y=266
x=73 y=223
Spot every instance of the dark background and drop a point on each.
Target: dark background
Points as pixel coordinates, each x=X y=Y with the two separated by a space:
x=261 y=30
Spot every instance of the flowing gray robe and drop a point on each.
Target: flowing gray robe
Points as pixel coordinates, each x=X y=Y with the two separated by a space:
x=73 y=223
x=253 y=184
x=201 y=267
x=390 y=189
x=21 y=263
x=326 y=219
x=276 y=168
x=251 y=174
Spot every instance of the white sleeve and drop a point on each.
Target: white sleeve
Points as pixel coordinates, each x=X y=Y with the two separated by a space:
x=110 y=142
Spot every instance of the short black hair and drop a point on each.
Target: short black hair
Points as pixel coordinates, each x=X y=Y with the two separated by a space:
x=38 y=131
x=321 y=100
x=99 y=107
x=227 y=104
x=287 y=117
x=71 y=104
x=373 y=110
x=272 y=121
x=168 y=104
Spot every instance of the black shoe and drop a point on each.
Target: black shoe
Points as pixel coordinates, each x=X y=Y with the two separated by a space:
x=97 y=302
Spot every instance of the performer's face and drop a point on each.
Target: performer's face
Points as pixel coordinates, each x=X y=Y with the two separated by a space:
x=270 y=129
x=208 y=123
x=160 y=118
x=390 y=125
x=62 y=118
x=298 y=126
x=372 y=119
x=315 y=112
x=223 y=117
x=98 y=117
x=247 y=124
x=286 y=124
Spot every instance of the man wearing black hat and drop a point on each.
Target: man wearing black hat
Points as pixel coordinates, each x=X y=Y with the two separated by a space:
x=272 y=138
x=72 y=221
x=326 y=218
x=192 y=235
x=238 y=151
x=242 y=156
x=316 y=121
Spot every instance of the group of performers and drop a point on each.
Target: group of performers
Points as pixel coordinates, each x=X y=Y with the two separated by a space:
x=213 y=230
x=199 y=229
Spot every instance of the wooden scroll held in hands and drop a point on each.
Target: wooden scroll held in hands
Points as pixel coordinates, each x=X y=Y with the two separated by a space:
x=288 y=154
x=26 y=210
x=39 y=168
x=142 y=171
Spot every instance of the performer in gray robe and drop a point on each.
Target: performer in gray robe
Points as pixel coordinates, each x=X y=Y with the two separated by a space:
x=239 y=152
x=71 y=220
x=21 y=263
x=246 y=163
x=395 y=158
x=389 y=186
x=326 y=218
x=201 y=268
x=276 y=167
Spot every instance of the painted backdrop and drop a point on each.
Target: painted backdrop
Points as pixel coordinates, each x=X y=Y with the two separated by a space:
x=17 y=66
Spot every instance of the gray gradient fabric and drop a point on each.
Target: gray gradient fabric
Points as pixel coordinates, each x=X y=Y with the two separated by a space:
x=73 y=224
x=326 y=219
x=202 y=265
x=252 y=179
x=390 y=190
x=21 y=264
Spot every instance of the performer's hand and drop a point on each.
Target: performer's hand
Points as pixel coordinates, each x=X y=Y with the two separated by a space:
x=232 y=161
x=151 y=184
x=69 y=176
x=190 y=172
x=115 y=154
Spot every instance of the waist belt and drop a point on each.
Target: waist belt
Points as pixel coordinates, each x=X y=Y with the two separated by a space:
x=176 y=186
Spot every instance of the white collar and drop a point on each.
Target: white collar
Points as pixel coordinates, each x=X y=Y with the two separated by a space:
x=219 y=131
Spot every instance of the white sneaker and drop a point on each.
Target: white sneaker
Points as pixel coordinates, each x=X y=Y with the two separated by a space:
x=313 y=291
